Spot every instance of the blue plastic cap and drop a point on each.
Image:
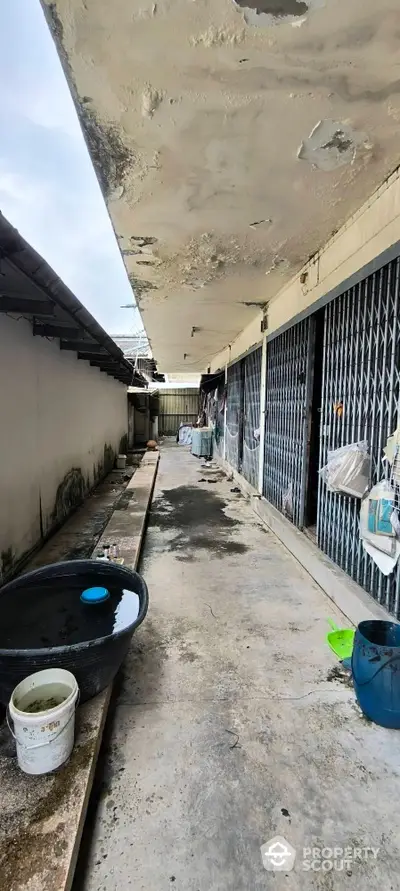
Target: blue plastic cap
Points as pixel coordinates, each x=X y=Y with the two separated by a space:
x=95 y=595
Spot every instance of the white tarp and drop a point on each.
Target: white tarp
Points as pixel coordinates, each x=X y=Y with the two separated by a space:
x=185 y=434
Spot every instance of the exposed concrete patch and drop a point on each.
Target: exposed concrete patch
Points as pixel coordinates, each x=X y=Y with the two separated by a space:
x=332 y=144
x=207 y=257
x=276 y=9
x=279 y=264
x=265 y=13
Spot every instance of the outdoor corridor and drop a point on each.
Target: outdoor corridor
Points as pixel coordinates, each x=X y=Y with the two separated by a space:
x=227 y=730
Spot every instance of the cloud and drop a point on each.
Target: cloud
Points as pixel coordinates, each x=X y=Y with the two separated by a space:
x=48 y=188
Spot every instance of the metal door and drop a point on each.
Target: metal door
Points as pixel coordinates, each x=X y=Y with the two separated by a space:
x=177 y=406
x=360 y=398
x=287 y=418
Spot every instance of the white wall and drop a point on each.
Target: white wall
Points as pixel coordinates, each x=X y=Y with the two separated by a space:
x=57 y=413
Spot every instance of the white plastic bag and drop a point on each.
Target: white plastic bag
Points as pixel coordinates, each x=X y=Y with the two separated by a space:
x=185 y=434
x=376 y=518
x=347 y=469
x=287 y=501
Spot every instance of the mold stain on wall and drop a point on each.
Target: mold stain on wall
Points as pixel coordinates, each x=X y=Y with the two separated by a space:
x=70 y=493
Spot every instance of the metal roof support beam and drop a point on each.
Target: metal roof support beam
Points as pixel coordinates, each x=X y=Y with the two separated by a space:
x=103 y=361
x=109 y=369
x=112 y=369
x=93 y=357
x=83 y=346
x=49 y=330
x=26 y=306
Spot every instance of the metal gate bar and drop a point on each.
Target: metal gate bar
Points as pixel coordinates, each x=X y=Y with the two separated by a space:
x=220 y=420
x=361 y=373
x=232 y=414
x=288 y=393
x=251 y=441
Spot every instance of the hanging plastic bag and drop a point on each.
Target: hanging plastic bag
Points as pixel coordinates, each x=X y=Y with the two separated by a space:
x=380 y=509
x=376 y=526
x=348 y=469
x=287 y=501
x=395 y=521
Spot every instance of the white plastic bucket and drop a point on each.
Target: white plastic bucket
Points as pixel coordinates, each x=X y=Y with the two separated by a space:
x=42 y=709
x=121 y=462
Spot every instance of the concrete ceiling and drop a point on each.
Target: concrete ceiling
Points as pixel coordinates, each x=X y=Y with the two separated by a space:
x=230 y=142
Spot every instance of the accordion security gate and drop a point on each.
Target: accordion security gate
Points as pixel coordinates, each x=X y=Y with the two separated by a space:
x=243 y=416
x=359 y=400
x=287 y=418
x=361 y=373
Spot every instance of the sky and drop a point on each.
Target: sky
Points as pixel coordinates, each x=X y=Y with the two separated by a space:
x=48 y=188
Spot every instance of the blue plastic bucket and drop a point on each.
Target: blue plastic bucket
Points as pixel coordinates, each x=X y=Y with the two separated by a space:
x=376 y=671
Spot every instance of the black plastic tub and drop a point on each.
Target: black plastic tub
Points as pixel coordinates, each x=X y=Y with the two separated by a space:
x=44 y=624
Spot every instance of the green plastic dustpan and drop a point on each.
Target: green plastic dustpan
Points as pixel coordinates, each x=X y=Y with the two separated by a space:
x=340 y=640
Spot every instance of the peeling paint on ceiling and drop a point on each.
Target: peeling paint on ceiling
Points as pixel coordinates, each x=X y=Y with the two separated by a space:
x=279 y=9
x=332 y=144
x=270 y=12
x=194 y=119
x=267 y=13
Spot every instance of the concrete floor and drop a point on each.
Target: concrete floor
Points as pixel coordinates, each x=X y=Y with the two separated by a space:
x=227 y=730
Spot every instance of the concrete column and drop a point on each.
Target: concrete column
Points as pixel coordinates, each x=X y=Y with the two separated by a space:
x=263 y=389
